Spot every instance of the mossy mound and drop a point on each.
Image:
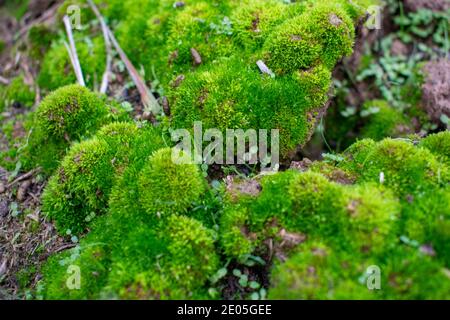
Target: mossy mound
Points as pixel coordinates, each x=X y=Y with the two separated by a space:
x=69 y=114
x=319 y=272
x=295 y=205
x=80 y=188
x=194 y=49
x=166 y=187
x=355 y=224
x=398 y=164
x=173 y=260
x=439 y=145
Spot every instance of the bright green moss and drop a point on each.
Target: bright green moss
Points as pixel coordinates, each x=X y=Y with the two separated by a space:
x=403 y=167
x=17 y=93
x=323 y=34
x=68 y=114
x=382 y=121
x=439 y=145
x=166 y=187
x=71 y=112
x=57 y=71
x=235 y=239
x=426 y=222
x=369 y=218
x=80 y=188
x=125 y=207
x=91 y=260
x=230 y=37
x=172 y=260
x=318 y=272
x=253 y=21
x=410 y=274
x=356 y=154
x=178 y=261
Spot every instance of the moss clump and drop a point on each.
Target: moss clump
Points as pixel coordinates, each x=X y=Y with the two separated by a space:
x=412 y=275
x=322 y=35
x=195 y=49
x=179 y=261
x=166 y=187
x=17 y=93
x=319 y=272
x=68 y=114
x=80 y=189
x=426 y=223
x=439 y=145
x=403 y=167
x=170 y=260
x=370 y=216
x=57 y=71
x=90 y=259
x=294 y=205
x=382 y=121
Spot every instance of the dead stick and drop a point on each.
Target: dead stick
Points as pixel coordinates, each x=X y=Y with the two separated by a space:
x=105 y=79
x=23 y=177
x=76 y=61
x=147 y=97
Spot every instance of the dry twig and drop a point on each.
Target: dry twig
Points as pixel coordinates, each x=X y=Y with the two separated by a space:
x=73 y=52
x=105 y=79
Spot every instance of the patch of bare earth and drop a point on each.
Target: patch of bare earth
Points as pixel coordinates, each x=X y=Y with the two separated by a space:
x=27 y=238
x=436 y=89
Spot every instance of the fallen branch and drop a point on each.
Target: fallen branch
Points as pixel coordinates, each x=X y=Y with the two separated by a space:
x=73 y=52
x=23 y=177
x=105 y=79
x=148 y=99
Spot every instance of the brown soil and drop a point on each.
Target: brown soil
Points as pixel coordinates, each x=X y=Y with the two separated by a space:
x=436 y=89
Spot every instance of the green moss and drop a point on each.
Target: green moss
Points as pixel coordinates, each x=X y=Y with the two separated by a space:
x=79 y=191
x=439 y=145
x=91 y=260
x=406 y=169
x=356 y=154
x=235 y=238
x=382 y=121
x=172 y=260
x=17 y=93
x=57 y=71
x=318 y=272
x=178 y=259
x=68 y=114
x=369 y=219
x=409 y=274
x=323 y=34
x=166 y=187
x=253 y=21
x=426 y=222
